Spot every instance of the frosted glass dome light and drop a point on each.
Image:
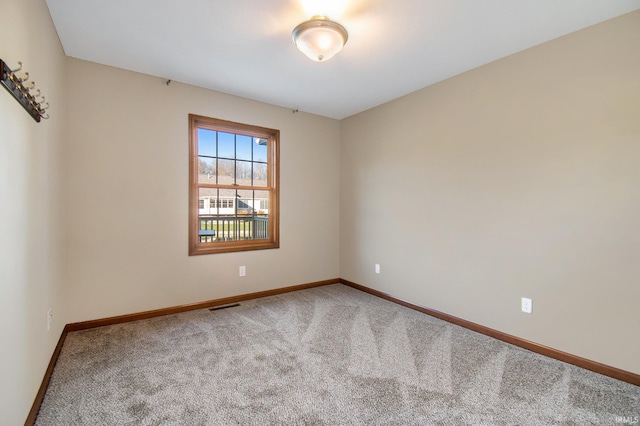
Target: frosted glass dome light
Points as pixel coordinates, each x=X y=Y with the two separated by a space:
x=320 y=38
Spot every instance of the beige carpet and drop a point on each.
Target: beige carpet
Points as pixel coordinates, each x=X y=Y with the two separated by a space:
x=329 y=355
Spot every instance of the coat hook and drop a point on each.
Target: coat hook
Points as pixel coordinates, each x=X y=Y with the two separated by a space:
x=18 y=82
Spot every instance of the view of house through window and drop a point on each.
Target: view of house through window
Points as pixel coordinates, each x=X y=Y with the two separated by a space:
x=233 y=186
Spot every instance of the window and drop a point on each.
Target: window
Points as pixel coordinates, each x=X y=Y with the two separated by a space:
x=235 y=167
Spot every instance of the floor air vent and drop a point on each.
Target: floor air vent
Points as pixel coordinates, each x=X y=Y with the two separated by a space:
x=217 y=308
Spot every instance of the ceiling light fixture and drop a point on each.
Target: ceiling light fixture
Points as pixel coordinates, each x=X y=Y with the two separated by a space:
x=320 y=38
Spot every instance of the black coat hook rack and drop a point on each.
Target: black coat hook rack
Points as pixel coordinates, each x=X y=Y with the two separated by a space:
x=20 y=88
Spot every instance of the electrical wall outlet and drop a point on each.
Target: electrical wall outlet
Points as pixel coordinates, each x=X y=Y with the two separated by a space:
x=377 y=268
x=526 y=305
x=49 y=318
x=242 y=271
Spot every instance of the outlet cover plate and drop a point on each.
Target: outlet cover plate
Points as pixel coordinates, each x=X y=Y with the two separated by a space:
x=49 y=318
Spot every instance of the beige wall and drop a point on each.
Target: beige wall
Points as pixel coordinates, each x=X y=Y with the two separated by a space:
x=31 y=202
x=519 y=178
x=127 y=189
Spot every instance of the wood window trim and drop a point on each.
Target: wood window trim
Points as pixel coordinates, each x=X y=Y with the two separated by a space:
x=273 y=186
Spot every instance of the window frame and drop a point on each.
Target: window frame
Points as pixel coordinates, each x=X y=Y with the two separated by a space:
x=273 y=186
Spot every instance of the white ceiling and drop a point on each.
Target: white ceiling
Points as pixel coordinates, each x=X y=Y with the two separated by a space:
x=244 y=47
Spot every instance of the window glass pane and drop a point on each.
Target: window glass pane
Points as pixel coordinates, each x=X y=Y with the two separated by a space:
x=243 y=173
x=207 y=218
x=205 y=195
x=207 y=142
x=260 y=149
x=259 y=174
x=261 y=217
x=226 y=172
x=226 y=203
x=243 y=147
x=226 y=228
x=244 y=215
x=206 y=170
x=245 y=202
x=226 y=145
x=261 y=202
